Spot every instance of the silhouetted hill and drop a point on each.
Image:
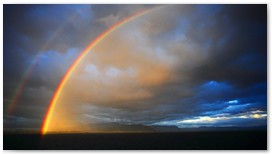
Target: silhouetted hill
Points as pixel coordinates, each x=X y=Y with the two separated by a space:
x=122 y=128
x=114 y=127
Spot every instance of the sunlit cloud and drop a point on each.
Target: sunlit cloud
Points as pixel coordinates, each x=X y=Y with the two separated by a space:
x=233 y=102
x=182 y=66
x=216 y=119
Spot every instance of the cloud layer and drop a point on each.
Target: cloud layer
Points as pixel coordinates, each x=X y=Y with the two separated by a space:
x=181 y=65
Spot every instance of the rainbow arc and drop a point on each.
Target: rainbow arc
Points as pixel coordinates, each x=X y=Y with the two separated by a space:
x=69 y=72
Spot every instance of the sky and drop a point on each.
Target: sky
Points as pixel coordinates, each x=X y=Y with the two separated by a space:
x=187 y=66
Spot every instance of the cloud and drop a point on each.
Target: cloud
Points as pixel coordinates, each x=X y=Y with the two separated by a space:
x=225 y=119
x=246 y=119
x=109 y=20
x=19 y=122
x=132 y=46
x=181 y=62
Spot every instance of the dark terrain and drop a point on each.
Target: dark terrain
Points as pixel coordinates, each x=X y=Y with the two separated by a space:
x=205 y=140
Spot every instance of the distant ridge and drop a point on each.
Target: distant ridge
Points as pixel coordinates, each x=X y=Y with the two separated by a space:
x=122 y=128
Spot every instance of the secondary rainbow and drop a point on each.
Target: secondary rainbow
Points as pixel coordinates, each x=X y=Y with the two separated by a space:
x=69 y=72
x=29 y=70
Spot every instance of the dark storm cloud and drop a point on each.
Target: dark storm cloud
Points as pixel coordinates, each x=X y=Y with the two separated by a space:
x=27 y=28
x=235 y=38
x=52 y=35
x=239 y=34
x=216 y=62
x=218 y=54
x=32 y=29
x=43 y=25
x=21 y=123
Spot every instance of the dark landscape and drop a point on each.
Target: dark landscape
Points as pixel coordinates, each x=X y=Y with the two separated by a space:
x=204 y=140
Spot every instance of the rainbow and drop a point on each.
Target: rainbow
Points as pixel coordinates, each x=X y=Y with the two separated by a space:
x=48 y=115
x=29 y=70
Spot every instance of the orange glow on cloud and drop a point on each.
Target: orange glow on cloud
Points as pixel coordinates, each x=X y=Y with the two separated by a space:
x=60 y=115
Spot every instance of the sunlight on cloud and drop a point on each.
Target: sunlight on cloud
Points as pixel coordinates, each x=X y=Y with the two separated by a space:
x=204 y=119
x=182 y=65
x=215 y=119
